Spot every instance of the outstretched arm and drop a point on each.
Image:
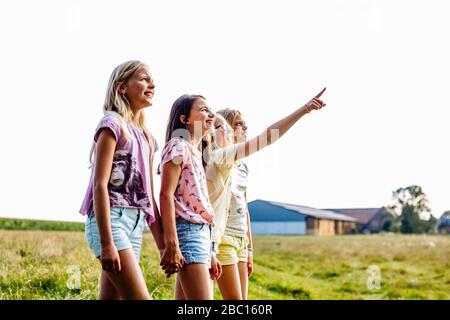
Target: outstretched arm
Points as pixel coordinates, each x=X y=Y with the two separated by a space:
x=278 y=129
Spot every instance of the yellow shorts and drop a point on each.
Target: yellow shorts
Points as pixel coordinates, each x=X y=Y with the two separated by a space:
x=232 y=250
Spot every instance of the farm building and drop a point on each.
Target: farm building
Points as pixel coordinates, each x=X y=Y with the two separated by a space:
x=444 y=225
x=276 y=218
x=368 y=220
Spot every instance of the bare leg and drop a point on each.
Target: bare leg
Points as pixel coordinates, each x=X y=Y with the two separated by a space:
x=229 y=283
x=107 y=289
x=243 y=276
x=129 y=282
x=196 y=282
x=179 y=293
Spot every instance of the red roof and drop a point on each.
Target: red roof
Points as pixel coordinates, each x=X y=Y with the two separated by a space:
x=362 y=216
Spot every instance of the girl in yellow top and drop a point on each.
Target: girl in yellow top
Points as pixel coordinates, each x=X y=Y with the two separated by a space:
x=226 y=178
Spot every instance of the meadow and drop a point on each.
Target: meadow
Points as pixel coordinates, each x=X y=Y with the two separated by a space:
x=59 y=265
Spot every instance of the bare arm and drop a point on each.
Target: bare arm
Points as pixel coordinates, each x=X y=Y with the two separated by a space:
x=172 y=255
x=105 y=147
x=249 y=229
x=156 y=226
x=278 y=129
x=250 y=242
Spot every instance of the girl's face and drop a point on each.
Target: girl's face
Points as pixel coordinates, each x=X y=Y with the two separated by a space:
x=201 y=117
x=240 y=129
x=223 y=133
x=140 y=89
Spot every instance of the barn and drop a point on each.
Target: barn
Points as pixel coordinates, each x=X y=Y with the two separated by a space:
x=444 y=225
x=277 y=218
x=368 y=220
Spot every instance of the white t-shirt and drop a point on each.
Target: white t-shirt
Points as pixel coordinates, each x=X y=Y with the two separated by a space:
x=237 y=213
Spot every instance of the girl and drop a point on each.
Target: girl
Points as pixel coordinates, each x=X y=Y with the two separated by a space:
x=186 y=212
x=227 y=184
x=119 y=200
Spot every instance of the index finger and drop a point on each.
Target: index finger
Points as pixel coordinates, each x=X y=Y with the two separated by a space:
x=320 y=93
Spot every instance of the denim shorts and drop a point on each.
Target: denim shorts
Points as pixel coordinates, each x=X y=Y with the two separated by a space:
x=127 y=227
x=195 y=241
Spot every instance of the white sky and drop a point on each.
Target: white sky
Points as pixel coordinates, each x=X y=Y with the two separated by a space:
x=385 y=64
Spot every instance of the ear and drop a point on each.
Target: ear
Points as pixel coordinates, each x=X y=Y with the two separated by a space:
x=121 y=88
x=183 y=119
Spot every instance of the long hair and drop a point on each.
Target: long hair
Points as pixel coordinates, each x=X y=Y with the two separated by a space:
x=118 y=105
x=181 y=106
x=175 y=128
x=209 y=143
x=229 y=114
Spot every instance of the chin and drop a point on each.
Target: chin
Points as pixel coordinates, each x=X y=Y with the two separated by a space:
x=146 y=104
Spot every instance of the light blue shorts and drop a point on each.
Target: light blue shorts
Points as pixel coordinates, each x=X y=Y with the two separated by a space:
x=195 y=242
x=127 y=226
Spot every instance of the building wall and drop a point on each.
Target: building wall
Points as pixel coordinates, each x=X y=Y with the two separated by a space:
x=268 y=219
x=349 y=227
x=278 y=227
x=326 y=227
x=320 y=227
x=444 y=230
x=376 y=223
x=338 y=227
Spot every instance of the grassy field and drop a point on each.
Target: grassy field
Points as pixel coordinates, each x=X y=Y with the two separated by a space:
x=31 y=224
x=46 y=265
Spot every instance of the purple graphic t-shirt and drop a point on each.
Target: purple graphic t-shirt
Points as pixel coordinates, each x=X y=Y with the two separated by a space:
x=129 y=184
x=191 y=195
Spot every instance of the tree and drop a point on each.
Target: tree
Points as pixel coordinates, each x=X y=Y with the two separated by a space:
x=390 y=220
x=414 y=214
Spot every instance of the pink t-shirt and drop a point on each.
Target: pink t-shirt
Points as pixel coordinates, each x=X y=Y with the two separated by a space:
x=191 y=195
x=129 y=185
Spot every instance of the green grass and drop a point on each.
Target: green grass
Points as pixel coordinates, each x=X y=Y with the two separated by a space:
x=41 y=264
x=28 y=224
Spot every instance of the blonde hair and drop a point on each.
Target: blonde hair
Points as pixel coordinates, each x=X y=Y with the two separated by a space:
x=117 y=104
x=209 y=144
x=229 y=114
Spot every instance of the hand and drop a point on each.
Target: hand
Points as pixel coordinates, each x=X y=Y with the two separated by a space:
x=315 y=103
x=250 y=263
x=216 y=268
x=110 y=259
x=172 y=260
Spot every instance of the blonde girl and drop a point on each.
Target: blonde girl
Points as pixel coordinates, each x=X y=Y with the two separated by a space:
x=119 y=200
x=227 y=184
